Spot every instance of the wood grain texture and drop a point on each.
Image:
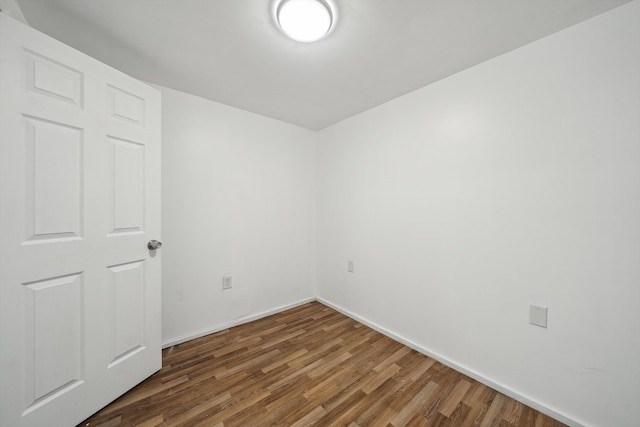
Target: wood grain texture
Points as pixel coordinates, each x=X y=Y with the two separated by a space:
x=309 y=366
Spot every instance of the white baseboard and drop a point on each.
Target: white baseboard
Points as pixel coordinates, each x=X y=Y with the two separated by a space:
x=237 y=322
x=470 y=373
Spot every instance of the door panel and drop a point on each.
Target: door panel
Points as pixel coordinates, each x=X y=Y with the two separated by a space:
x=126 y=106
x=79 y=199
x=54 y=309
x=128 y=185
x=53 y=180
x=52 y=79
x=127 y=290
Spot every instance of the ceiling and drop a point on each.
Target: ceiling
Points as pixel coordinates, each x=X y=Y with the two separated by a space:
x=231 y=51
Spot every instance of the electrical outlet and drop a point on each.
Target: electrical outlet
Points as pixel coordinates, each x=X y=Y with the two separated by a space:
x=538 y=315
x=226 y=282
x=350 y=266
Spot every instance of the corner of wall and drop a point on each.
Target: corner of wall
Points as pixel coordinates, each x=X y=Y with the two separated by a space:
x=11 y=8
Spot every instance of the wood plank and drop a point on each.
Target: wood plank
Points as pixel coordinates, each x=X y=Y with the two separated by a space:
x=153 y=422
x=495 y=410
x=197 y=410
x=409 y=410
x=310 y=418
x=377 y=381
x=450 y=404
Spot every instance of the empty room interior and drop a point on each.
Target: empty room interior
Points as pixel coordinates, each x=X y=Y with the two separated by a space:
x=320 y=212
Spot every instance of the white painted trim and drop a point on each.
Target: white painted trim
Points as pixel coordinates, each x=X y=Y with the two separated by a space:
x=236 y=322
x=470 y=373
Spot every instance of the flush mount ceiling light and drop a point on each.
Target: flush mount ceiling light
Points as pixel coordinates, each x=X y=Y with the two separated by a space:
x=305 y=20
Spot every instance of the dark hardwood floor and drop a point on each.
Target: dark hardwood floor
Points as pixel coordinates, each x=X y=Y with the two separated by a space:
x=309 y=366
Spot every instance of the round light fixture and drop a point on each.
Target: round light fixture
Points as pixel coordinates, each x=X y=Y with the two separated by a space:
x=305 y=20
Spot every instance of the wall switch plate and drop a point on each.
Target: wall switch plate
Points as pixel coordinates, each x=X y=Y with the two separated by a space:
x=538 y=315
x=226 y=282
x=350 y=266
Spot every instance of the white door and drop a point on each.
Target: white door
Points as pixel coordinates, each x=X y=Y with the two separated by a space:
x=79 y=199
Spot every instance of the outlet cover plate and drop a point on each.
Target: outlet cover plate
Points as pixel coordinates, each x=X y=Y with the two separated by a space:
x=538 y=315
x=227 y=282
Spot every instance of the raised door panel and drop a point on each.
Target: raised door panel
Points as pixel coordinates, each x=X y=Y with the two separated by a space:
x=53 y=79
x=127 y=310
x=127 y=185
x=53 y=180
x=54 y=338
x=125 y=106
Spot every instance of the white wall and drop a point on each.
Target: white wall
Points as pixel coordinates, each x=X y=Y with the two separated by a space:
x=11 y=8
x=238 y=198
x=514 y=182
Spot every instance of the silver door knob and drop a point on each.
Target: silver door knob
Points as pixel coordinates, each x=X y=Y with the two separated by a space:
x=153 y=245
